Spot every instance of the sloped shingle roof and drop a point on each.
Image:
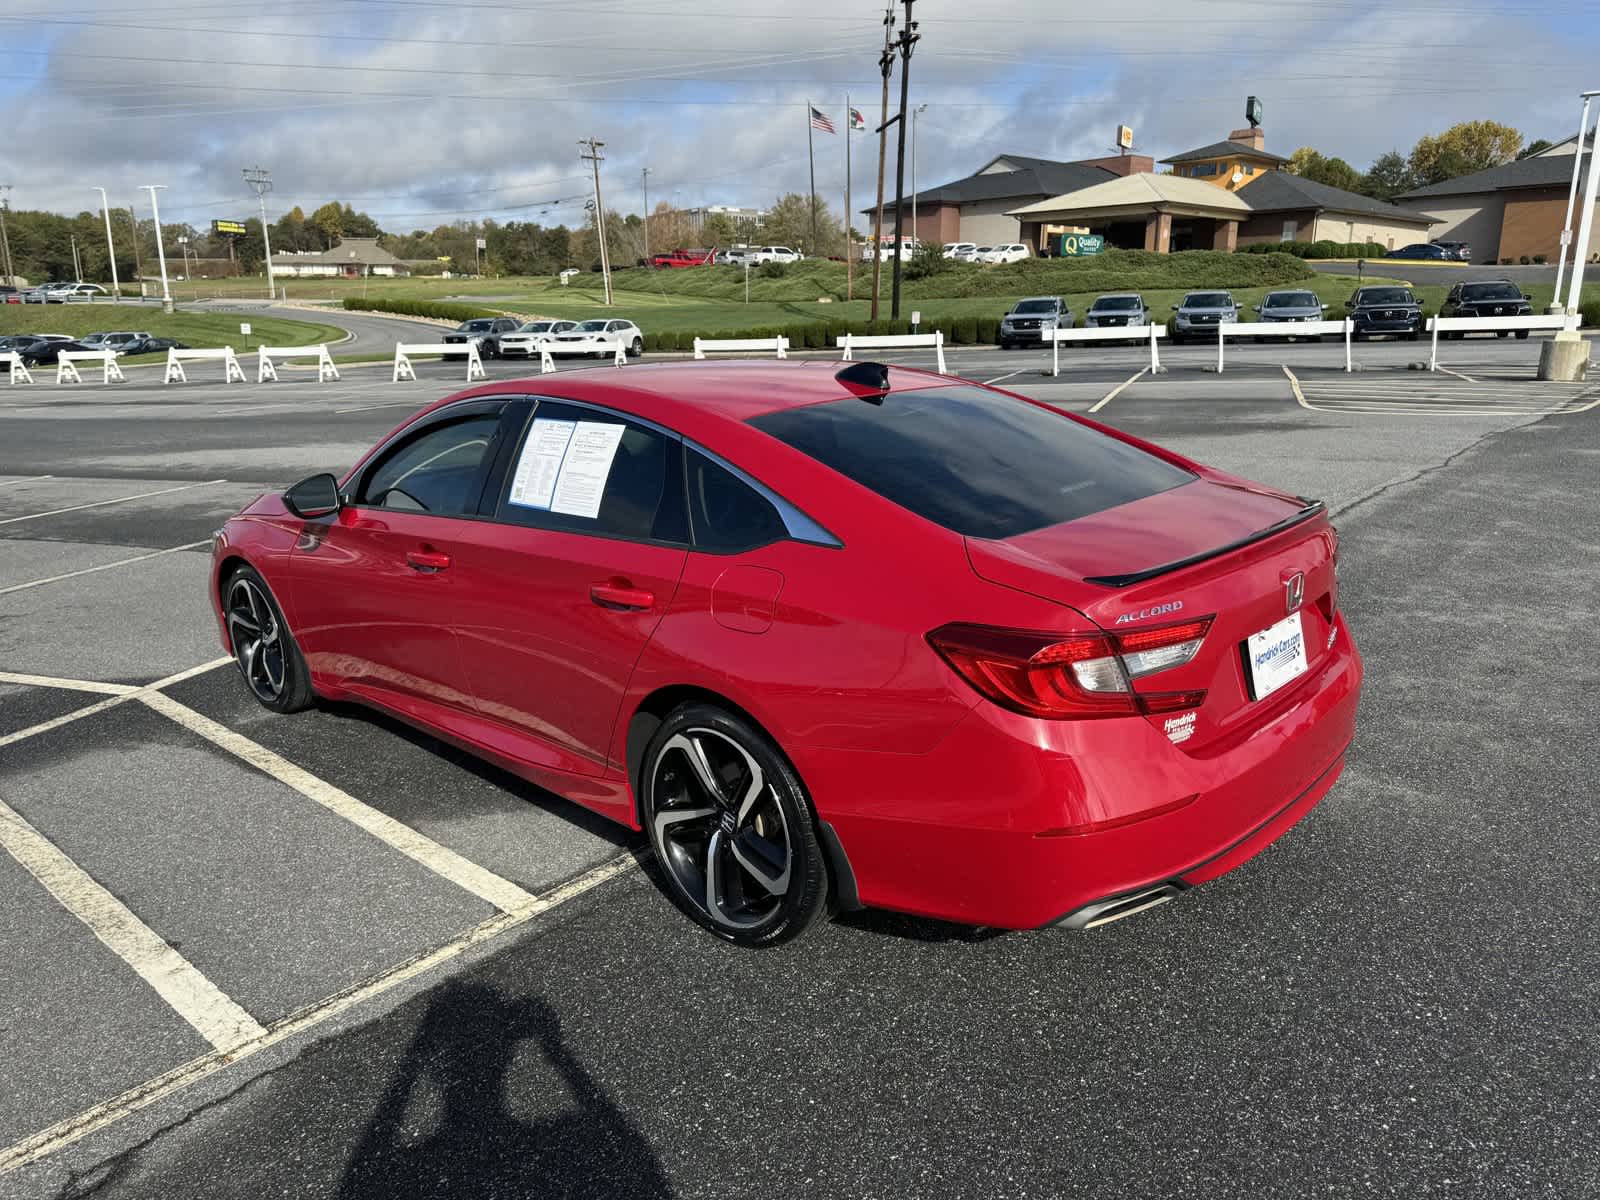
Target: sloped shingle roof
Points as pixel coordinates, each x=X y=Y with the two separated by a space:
x=1138 y=190
x=1279 y=191
x=1223 y=150
x=1526 y=172
x=1040 y=177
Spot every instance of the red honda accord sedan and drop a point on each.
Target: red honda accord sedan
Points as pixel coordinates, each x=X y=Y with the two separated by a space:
x=831 y=637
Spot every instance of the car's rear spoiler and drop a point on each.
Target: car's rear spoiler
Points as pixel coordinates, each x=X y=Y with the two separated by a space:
x=1313 y=508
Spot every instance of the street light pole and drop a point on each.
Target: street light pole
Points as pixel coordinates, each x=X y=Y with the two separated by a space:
x=1572 y=196
x=5 y=242
x=111 y=249
x=161 y=250
x=646 y=171
x=1585 y=227
x=918 y=109
x=260 y=181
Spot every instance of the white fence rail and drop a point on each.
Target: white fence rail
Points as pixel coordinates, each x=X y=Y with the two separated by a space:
x=67 y=365
x=404 y=350
x=1546 y=322
x=616 y=347
x=851 y=342
x=703 y=346
x=231 y=370
x=1286 y=329
x=1108 y=333
x=326 y=371
x=15 y=368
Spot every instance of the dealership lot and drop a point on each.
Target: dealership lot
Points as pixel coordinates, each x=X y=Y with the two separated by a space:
x=449 y=974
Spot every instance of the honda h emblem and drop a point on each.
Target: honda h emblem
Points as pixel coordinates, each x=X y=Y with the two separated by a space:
x=1294 y=591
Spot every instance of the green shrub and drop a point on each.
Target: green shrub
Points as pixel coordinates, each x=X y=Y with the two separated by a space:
x=927 y=262
x=966 y=331
x=438 y=309
x=988 y=331
x=1590 y=312
x=772 y=270
x=1540 y=259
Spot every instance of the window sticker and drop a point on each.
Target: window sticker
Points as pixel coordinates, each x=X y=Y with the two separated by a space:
x=535 y=479
x=585 y=469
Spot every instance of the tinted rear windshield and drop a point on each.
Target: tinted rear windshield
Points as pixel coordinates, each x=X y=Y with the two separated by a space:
x=1293 y=300
x=1035 y=306
x=1383 y=296
x=1490 y=291
x=1116 y=302
x=1207 y=300
x=974 y=461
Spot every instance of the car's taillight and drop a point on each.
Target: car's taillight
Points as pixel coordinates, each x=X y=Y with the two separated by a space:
x=1080 y=676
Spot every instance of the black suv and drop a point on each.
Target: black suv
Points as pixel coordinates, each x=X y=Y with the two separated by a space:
x=485 y=331
x=1384 y=310
x=1487 y=298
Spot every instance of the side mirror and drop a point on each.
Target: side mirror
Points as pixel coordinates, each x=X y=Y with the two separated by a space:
x=314 y=497
x=1324 y=308
x=1174 y=308
x=1525 y=296
x=1257 y=308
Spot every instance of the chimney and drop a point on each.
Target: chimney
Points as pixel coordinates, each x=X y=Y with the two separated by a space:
x=1254 y=137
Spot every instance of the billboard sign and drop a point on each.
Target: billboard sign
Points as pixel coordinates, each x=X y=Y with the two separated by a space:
x=1124 y=137
x=228 y=228
x=1080 y=245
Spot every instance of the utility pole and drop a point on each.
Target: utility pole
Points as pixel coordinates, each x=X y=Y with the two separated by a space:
x=906 y=42
x=592 y=155
x=161 y=250
x=260 y=181
x=111 y=249
x=5 y=241
x=138 y=262
x=886 y=65
x=646 y=172
x=921 y=108
x=77 y=263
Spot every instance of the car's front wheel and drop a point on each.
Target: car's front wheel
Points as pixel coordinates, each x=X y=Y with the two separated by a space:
x=636 y=348
x=732 y=828
x=263 y=647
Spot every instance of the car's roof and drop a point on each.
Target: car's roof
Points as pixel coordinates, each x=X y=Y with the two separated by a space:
x=1026 y=299
x=1120 y=296
x=693 y=397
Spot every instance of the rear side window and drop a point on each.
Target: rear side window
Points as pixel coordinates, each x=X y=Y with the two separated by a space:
x=977 y=462
x=725 y=512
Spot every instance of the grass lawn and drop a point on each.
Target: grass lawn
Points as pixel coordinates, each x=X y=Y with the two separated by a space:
x=199 y=330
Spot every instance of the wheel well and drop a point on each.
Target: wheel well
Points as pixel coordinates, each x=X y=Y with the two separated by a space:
x=229 y=565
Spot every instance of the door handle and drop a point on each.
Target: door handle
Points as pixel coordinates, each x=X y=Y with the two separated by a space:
x=427 y=561
x=620 y=594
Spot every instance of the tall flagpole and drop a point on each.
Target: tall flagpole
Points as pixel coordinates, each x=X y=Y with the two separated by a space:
x=811 y=147
x=849 y=241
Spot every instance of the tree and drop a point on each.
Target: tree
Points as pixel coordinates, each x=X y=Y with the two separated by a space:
x=1388 y=177
x=1334 y=172
x=1534 y=147
x=1463 y=149
x=788 y=223
x=358 y=224
x=327 y=225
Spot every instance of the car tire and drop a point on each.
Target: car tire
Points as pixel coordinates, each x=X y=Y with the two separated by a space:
x=1522 y=335
x=271 y=663
x=1500 y=333
x=731 y=827
x=1413 y=335
x=636 y=348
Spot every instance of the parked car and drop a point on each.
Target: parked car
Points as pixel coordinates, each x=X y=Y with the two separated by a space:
x=524 y=342
x=910 y=247
x=675 y=259
x=17 y=342
x=44 y=352
x=1202 y=312
x=766 y=254
x=1290 y=306
x=611 y=627
x=74 y=291
x=1487 y=298
x=1384 y=309
x=1422 y=250
x=1118 y=308
x=597 y=337
x=1009 y=253
x=957 y=249
x=1029 y=318
x=154 y=345
x=486 y=331
x=119 y=342
x=974 y=255
x=1460 y=251
x=733 y=256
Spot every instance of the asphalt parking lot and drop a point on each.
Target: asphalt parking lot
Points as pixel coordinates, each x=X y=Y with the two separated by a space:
x=401 y=972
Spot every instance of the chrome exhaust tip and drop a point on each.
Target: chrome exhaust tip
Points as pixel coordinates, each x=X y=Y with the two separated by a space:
x=1103 y=912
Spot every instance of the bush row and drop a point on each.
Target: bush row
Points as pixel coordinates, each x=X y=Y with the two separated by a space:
x=438 y=309
x=823 y=335
x=1322 y=249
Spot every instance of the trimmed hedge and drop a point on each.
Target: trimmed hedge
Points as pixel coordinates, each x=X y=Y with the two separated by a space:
x=1323 y=249
x=438 y=309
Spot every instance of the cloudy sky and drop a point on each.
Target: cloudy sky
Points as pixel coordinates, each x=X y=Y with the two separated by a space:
x=425 y=111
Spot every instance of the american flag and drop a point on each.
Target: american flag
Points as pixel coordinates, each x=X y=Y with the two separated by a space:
x=819 y=120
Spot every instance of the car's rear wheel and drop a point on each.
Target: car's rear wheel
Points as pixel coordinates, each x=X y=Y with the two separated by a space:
x=1521 y=334
x=636 y=348
x=732 y=828
x=263 y=647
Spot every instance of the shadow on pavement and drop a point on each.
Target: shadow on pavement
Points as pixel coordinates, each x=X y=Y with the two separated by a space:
x=462 y=1054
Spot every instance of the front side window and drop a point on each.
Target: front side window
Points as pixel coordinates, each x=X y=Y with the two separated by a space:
x=581 y=470
x=974 y=461
x=439 y=471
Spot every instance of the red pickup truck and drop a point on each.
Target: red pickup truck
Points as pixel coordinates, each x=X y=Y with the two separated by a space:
x=684 y=258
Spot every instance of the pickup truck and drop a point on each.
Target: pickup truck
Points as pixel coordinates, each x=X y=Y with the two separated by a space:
x=676 y=259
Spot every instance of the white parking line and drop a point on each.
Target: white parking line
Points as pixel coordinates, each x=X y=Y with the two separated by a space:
x=192 y=996
x=388 y=404
x=481 y=882
x=25 y=479
x=1447 y=371
x=64 y=1133
x=102 y=503
x=1117 y=391
x=84 y=685
x=121 y=562
x=1294 y=386
x=73 y=685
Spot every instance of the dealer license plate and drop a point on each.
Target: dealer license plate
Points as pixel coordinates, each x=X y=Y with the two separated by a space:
x=1277 y=655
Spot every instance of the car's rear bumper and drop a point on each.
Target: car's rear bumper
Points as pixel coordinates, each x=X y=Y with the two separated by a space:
x=1016 y=823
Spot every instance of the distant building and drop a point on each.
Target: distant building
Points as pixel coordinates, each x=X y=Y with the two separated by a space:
x=1232 y=164
x=352 y=258
x=739 y=216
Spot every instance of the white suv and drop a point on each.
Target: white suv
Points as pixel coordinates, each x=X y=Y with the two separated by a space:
x=1009 y=253
x=766 y=254
x=957 y=249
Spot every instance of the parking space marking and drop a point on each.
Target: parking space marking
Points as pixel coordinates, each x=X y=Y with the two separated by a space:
x=120 y=697
x=73 y=685
x=1117 y=391
x=64 y=1133
x=1007 y=375
x=1294 y=386
x=388 y=404
x=24 y=479
x=446 y=863
x=121 y=562
x=118 y=500
x=174 y=978
x=1447 y=371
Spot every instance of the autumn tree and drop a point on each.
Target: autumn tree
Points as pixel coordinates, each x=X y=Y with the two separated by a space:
x=1334 y=172
x=1463 y=149
x=788 y=223
x=1388 y=176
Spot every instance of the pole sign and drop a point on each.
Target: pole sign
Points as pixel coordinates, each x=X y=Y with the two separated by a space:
x=228 y=228
x=1079 y=245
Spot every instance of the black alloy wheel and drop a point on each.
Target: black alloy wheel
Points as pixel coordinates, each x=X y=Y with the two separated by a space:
x=731 y=828
x=263 y=648
x=636 y=348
